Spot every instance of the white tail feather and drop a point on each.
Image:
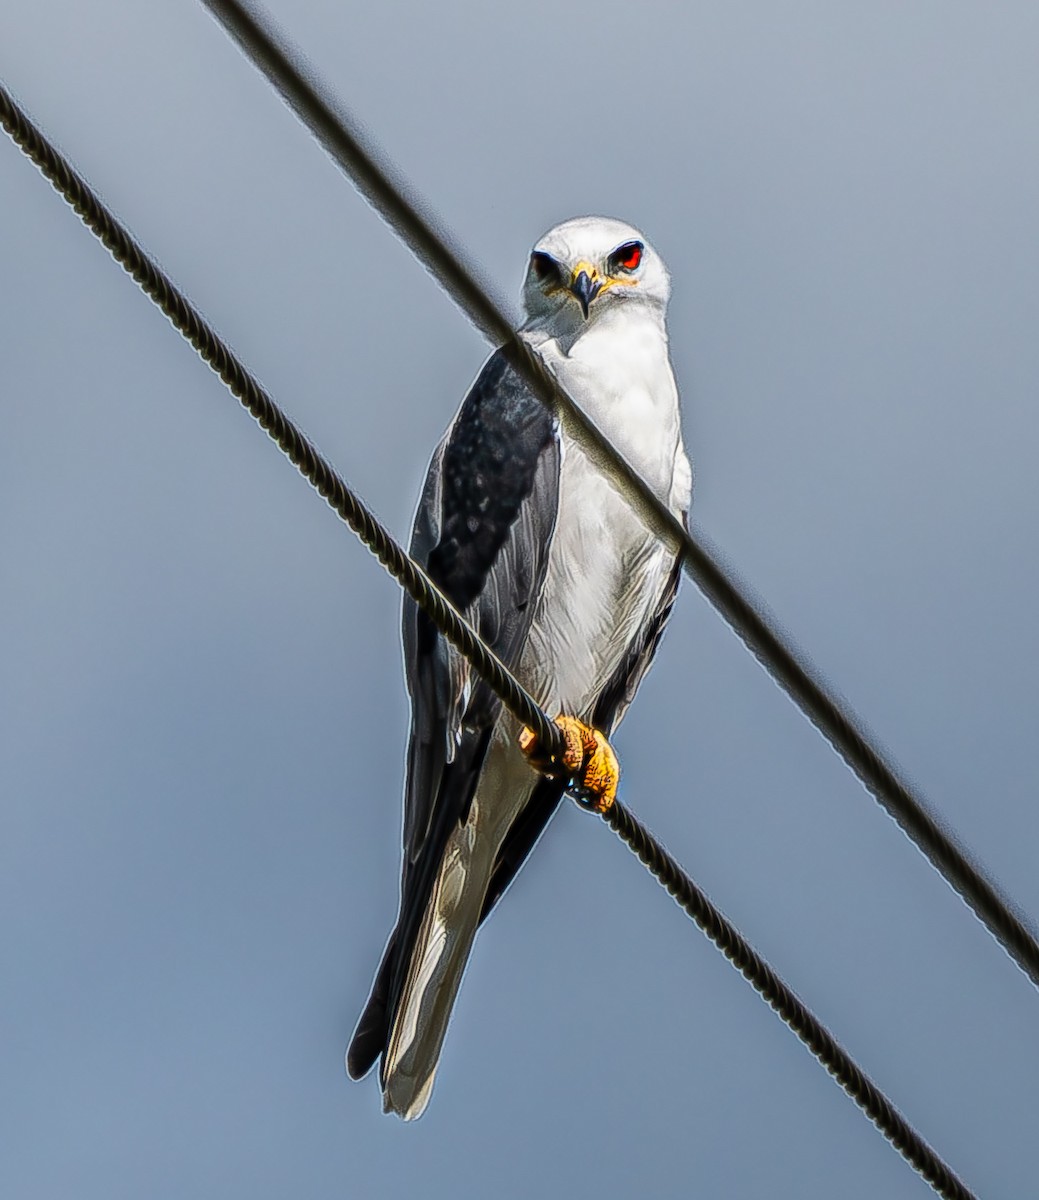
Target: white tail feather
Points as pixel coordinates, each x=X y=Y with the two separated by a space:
x=448 y=928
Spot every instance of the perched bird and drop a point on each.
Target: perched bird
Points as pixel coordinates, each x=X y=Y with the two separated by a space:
x=551 y=565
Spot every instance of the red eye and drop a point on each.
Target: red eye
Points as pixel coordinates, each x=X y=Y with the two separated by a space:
x=627 y=257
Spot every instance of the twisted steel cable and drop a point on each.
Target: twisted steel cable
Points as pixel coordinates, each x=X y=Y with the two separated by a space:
x=787 y=665
x=186 y=319
x=784 y=1002
x=289 y=438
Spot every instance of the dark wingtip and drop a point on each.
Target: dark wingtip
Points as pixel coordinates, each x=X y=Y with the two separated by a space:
x=369 y=1038
x=373 y=1028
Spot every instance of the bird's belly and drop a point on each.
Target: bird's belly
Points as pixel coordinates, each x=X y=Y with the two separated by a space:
x=604 y=578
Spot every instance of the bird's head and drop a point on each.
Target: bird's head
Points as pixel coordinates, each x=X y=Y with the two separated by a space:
x=589 y=265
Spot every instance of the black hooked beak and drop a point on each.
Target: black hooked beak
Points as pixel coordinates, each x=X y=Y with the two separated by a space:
x=585 y=289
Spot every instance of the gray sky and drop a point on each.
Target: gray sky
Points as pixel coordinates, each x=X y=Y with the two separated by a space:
x=203 y=715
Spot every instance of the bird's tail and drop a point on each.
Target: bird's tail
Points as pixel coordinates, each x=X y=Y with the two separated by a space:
x=416 y=1024
x=434 y=972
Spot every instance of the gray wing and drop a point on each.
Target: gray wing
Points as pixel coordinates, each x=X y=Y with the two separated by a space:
x=482 y=531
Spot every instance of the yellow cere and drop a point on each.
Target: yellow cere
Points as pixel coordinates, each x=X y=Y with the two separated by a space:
x=604 y=283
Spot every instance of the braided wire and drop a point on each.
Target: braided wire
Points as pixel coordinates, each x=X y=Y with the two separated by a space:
x=786 y=664
x=402 y=567
x=289 y=438
x=785 y=1003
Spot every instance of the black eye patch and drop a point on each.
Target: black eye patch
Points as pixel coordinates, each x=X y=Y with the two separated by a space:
x=545 y=267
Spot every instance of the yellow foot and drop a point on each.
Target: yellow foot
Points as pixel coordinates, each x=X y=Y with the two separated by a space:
x=588 y=762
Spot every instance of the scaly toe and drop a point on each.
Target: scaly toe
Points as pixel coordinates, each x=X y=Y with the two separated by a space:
x=599 y=775
x=548 y=764
x=588 y=762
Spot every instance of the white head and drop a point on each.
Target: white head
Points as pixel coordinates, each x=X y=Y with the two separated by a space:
x=591 y=265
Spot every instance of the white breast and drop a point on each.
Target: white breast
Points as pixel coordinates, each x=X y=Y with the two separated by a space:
x=606 y=572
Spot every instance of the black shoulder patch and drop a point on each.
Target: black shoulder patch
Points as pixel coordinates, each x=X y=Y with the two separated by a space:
x=488 y=471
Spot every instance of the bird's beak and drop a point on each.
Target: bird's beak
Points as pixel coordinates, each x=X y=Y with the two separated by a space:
x=585 y=284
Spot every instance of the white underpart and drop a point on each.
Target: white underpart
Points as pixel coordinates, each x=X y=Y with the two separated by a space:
x=606 y=572
x=605 y=576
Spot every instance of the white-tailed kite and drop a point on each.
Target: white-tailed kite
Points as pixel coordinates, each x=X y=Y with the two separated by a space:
x=553 y=568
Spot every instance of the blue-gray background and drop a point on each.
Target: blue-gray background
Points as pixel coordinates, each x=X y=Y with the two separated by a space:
x=202 y=706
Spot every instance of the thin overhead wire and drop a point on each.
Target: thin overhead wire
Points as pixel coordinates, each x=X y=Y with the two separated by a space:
x=787 y=665
x=216 y=354
x=289 y=438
